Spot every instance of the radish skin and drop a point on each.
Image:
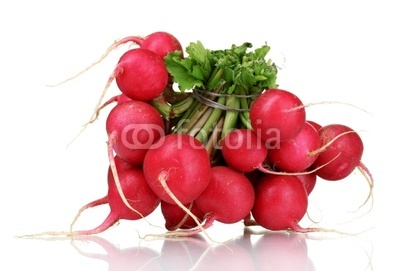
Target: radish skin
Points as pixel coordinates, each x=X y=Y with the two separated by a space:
x=133 y=126
x=345 y=143
x=228 y=198
x=244 y=151
x=280 y=202
x=295 y=155
x=309 y=181
x=141 y=74
x=273 y=117
x=166 y=164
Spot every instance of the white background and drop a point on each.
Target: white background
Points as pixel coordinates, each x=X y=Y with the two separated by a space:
x=345 y=51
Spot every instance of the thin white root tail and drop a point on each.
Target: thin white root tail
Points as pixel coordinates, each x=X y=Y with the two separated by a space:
x=368 y=176
x=116 y=177
x=329 y=102
x=163 y=176
x=111 y=48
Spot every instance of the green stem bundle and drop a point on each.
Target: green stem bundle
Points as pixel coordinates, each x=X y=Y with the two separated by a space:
x=219 y=87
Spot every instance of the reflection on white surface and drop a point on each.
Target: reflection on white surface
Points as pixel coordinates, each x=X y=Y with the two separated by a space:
x=183 y=254
x=131 y=258
x=250 y=250
x=233 y=255
x=278 y=251
x=282 y=251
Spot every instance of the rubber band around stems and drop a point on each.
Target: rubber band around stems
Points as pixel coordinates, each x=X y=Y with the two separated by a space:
x=200 y=95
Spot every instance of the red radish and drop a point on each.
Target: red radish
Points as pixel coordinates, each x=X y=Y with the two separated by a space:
x=228 y=198
x=176 y=218
x=316 y=125
x=158 y=42
x=136 y=191
x=141 y=74
x=177 y=167
x=294 y=155
x=133 y=126
x=243 y=150
x=346 y=145
x=309 y=181
x=254 y=176
x=280 y=203
x=277 y=115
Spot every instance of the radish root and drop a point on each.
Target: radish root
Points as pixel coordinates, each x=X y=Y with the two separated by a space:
x=324 y=147
x=111 y=48
x=115 y=175
x=162 y=178
x=117 y=71
x=265 y=170
x=183 y=220
x=95 y=203
x=368 y=176
x=328 y=102
x=298 y=229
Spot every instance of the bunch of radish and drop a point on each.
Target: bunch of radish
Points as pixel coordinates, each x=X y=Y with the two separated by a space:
x=209 y=136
